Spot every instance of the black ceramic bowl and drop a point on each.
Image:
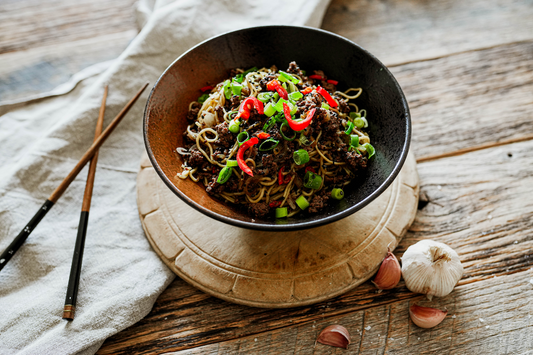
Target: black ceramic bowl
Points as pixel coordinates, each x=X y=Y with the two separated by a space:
x=211 y=61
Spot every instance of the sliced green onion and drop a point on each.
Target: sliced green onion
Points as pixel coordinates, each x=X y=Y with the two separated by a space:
x=369 y=149
x=354 y=115
x=234 y=126
x=264 y=97
x=349 y=127
x=239 y=78
x=354 y=140
x=289 y=129
x=269 y=110
x=300 y=156
x=365 y=121
x=312 y=180
x=280 y=117
x=269 y=124
x=275 y=97
x=303 y=139
x=286 y=77
x=224 y=175
x=325 y=106
x=231 y=163
x=302 y=202
x=202 y=98
x=337 y=194
x=284 y=85
x=236 y=88
x=242 y=137
x=292 y=88
x=267 y=145
x=250 y=70
x=296 y=95
x=281 y=212
x=279 y=105
x=359 y=122
x=227 y=89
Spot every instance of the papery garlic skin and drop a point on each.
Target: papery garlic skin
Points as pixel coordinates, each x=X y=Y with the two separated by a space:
x=431 y=268
x=389 y=273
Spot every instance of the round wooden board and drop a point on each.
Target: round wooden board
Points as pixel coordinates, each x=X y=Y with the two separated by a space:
x=274 y=269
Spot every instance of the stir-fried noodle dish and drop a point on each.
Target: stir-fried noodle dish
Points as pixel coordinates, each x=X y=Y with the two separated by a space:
x=275 y=142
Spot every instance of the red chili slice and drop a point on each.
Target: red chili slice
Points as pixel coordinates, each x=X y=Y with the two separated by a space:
x=246 y=107
x=281 y=179
x=334 y=82
x=307 y=90
x=240 y=155
x=263 y=135
x=274 y=204
x=275 y=85
x=298 y=126
x=206 y=88
x=316 y=77
x=327 y=96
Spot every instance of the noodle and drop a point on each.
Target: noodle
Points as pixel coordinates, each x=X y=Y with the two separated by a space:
x=277 y=182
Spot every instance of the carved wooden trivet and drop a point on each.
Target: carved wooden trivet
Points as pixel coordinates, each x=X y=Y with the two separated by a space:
x=274 y=269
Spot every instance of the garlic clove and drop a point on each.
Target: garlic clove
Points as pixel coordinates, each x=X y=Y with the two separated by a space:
x=389 y=273
x=431 y=268
x=426 y=317
x=334 y=335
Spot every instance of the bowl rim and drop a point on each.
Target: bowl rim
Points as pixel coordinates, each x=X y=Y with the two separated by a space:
x=289 y=226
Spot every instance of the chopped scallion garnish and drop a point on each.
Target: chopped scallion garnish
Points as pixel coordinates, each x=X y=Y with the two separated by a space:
x=300 y=157
x=302 y=202
x=337 y=194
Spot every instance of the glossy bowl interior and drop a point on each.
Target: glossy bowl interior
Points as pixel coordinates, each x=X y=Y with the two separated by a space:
x=210 y=62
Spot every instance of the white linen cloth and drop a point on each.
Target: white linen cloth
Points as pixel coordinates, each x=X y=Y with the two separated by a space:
x=41 y=141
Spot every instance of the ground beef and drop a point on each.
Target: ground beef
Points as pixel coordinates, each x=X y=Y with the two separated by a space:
x=343 y=106
x=220 y=113
x=328 y=86
x=196 y=158
x=263 y=82
x=295 y=69
x=318 y=202
x=235 y=102
x=258 y=209
x=214 y=187
x=355 y=161
x=192 y=115
x=225 y=137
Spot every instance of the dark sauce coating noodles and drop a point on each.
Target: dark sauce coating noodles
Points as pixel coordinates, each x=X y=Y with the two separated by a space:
x=329 y=142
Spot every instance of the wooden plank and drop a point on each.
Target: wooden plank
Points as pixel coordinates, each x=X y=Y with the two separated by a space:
x=39 y=70
x=43 y=43
x=409 y=30
x=28 y=24
x=469 y=99
x=491 y=317
x=488 y=186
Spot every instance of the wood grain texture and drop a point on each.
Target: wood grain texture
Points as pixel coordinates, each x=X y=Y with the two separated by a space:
x=274 y=269
x=404 y=31
x=43 y=43
x=480 y=325
x=28 y=24
x=488 y=186
x=469 y=99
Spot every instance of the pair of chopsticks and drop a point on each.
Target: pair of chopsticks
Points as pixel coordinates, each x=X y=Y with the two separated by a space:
x=90 y=154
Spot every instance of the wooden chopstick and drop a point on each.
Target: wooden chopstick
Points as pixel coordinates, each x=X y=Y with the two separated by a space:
x=75 y=269
x=23 y=235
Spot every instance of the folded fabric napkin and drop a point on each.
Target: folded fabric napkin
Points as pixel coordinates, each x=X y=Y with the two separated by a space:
x=40 y=142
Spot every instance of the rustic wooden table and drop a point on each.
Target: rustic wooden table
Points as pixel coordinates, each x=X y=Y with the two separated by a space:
x=466 y=68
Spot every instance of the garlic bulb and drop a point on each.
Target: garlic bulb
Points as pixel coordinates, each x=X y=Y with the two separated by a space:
x=431 y=268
